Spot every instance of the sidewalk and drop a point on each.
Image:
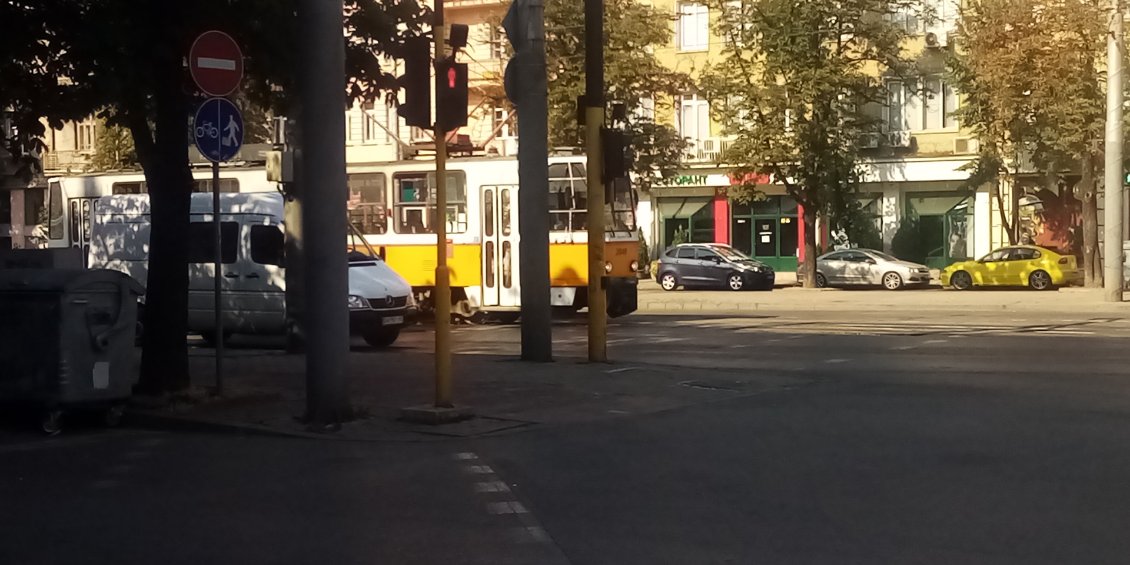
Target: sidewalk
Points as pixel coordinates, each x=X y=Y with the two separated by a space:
x=654 y=300
x=265 y=393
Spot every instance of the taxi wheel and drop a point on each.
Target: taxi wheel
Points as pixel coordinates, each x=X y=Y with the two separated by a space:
x=1040 y=280
x=961 y=281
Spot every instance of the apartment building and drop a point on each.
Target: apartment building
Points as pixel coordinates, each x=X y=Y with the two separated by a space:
x=913 y=165
x=375 y=133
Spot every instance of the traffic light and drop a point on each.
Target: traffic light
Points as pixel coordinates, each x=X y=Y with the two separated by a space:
x=417 y=107
x=451 y=94
x=616 y=159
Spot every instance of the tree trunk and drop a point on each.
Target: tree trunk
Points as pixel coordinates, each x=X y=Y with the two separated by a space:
x=164 y=358
x=1092 y=267
x=809 y=266
x=1004 y=216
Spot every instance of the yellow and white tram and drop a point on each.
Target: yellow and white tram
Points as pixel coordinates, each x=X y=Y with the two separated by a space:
x=393 y=204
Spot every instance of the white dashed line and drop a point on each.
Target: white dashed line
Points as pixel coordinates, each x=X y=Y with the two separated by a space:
x=506 y=507
x=479 y=469
x=465 y=456
x=491 y=486
x=836 y=360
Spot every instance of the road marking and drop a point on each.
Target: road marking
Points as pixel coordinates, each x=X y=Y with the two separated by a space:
x=836 y=360
x=621 y=370
x=903 y=348
x=491 y=486
x=931 y=341
x=465 y=456
x=506 y=507
x=479 y=469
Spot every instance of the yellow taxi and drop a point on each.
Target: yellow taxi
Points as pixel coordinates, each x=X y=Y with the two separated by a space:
x=1016 y=265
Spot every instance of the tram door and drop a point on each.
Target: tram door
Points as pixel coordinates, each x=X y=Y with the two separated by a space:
x=500 y=246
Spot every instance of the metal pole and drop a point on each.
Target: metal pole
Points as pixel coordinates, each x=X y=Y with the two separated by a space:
x=594 y=120
x=322 y=90
x=1113 y=205
x=217 y=277
x=443 y=281
x=533 y=207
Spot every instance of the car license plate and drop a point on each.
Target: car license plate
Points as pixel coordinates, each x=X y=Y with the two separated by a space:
x=392 y=320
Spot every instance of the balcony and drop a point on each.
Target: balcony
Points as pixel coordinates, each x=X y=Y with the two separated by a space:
x=707 y=150
x=457 y=4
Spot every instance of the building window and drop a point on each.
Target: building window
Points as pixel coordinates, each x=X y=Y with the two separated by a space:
x=693 y=27
x=908 y=109
x=894 y=118
x=694 y=117
x=502 y=123
x=939 y=103
x=375 y=119
x=497 y=42
x=84 y=136
x=904 y=18
x=645 y=112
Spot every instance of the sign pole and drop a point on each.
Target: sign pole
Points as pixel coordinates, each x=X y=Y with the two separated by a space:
x=217 y=278
x=1114 y=210
x=443 y=397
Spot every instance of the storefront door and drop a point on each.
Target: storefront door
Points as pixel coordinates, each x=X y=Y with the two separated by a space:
x=767 y=230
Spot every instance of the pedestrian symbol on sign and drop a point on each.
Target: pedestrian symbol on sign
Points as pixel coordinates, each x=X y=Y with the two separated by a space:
x=231 y=133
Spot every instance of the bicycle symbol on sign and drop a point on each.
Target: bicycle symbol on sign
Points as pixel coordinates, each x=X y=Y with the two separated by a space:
x=207 y=129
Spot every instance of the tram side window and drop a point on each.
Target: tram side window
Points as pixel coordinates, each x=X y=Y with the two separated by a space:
x=414 y=199
x=55 y=227
x=227 y=186
x=368 y=205
x=128 y=188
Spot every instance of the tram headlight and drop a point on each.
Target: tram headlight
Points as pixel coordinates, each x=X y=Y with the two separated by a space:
x=634 y=265
x=358 y=303
x=608 y=267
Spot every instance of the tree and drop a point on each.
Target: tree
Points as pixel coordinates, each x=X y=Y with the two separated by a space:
x=124 y=58
x=1033 y=85
x=113 y=149
x=794 y=88
x=633 y=77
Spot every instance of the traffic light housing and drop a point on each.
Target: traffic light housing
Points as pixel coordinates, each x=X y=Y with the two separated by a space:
x=615 y=148
x=417 y=107
x=451 y=94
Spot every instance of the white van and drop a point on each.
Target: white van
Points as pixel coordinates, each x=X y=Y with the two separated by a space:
x=254 y=279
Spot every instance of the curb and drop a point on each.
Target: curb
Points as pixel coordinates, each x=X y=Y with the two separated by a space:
x=161 y=421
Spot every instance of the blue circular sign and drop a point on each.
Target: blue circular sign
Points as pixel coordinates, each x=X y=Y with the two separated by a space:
x=218 y=130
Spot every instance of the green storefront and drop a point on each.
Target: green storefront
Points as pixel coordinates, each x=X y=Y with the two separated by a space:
x=769 y=230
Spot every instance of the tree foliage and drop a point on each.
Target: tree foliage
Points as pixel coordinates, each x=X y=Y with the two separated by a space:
x=113 y=149
x=794 y=87
x=123 y=59
x=632 y=73
x=1031 y=73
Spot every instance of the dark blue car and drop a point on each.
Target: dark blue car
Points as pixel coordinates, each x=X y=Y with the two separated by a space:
x=712 y=265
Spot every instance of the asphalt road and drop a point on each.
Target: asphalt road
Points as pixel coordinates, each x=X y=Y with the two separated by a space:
x=948 y=438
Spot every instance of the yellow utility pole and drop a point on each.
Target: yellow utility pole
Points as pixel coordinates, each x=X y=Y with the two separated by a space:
x=442 y=296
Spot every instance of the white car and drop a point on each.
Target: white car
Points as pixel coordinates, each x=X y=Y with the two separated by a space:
x=867 y=267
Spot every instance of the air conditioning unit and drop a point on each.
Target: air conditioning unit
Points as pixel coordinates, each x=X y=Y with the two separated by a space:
x=966 y=145
x=868 y=141
x=936 y=40
x=898 y=139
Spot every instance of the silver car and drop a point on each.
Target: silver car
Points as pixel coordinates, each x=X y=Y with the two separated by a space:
x=868 y=267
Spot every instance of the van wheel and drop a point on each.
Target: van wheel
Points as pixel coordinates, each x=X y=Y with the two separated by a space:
x=381 y=338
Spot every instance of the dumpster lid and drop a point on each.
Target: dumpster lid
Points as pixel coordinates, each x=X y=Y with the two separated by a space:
x=64 y=280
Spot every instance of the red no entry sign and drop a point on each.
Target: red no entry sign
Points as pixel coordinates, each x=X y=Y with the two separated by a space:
x=216 y=63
